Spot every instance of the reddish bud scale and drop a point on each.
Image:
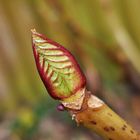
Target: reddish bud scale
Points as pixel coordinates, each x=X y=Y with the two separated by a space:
x=60 y=107
x=57 y=67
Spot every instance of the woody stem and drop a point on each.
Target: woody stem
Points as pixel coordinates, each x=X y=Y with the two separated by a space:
x=97 y=116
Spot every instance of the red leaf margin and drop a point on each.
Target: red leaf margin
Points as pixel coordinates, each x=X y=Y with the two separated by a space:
x=45 y=80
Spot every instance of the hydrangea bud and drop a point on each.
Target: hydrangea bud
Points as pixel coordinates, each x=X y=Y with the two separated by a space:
x=57 y=67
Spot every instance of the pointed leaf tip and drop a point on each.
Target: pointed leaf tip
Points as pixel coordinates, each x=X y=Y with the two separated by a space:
x=57 y=67
x=33 y=31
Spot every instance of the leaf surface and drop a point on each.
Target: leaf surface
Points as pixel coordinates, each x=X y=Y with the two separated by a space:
x=57 y=67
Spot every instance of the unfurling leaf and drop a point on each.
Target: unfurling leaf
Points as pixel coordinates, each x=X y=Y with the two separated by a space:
x=57 y=67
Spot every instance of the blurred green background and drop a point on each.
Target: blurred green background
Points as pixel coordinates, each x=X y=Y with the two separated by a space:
x=104 y=36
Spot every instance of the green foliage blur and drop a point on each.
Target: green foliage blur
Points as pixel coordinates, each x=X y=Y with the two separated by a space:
x=104 y=36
